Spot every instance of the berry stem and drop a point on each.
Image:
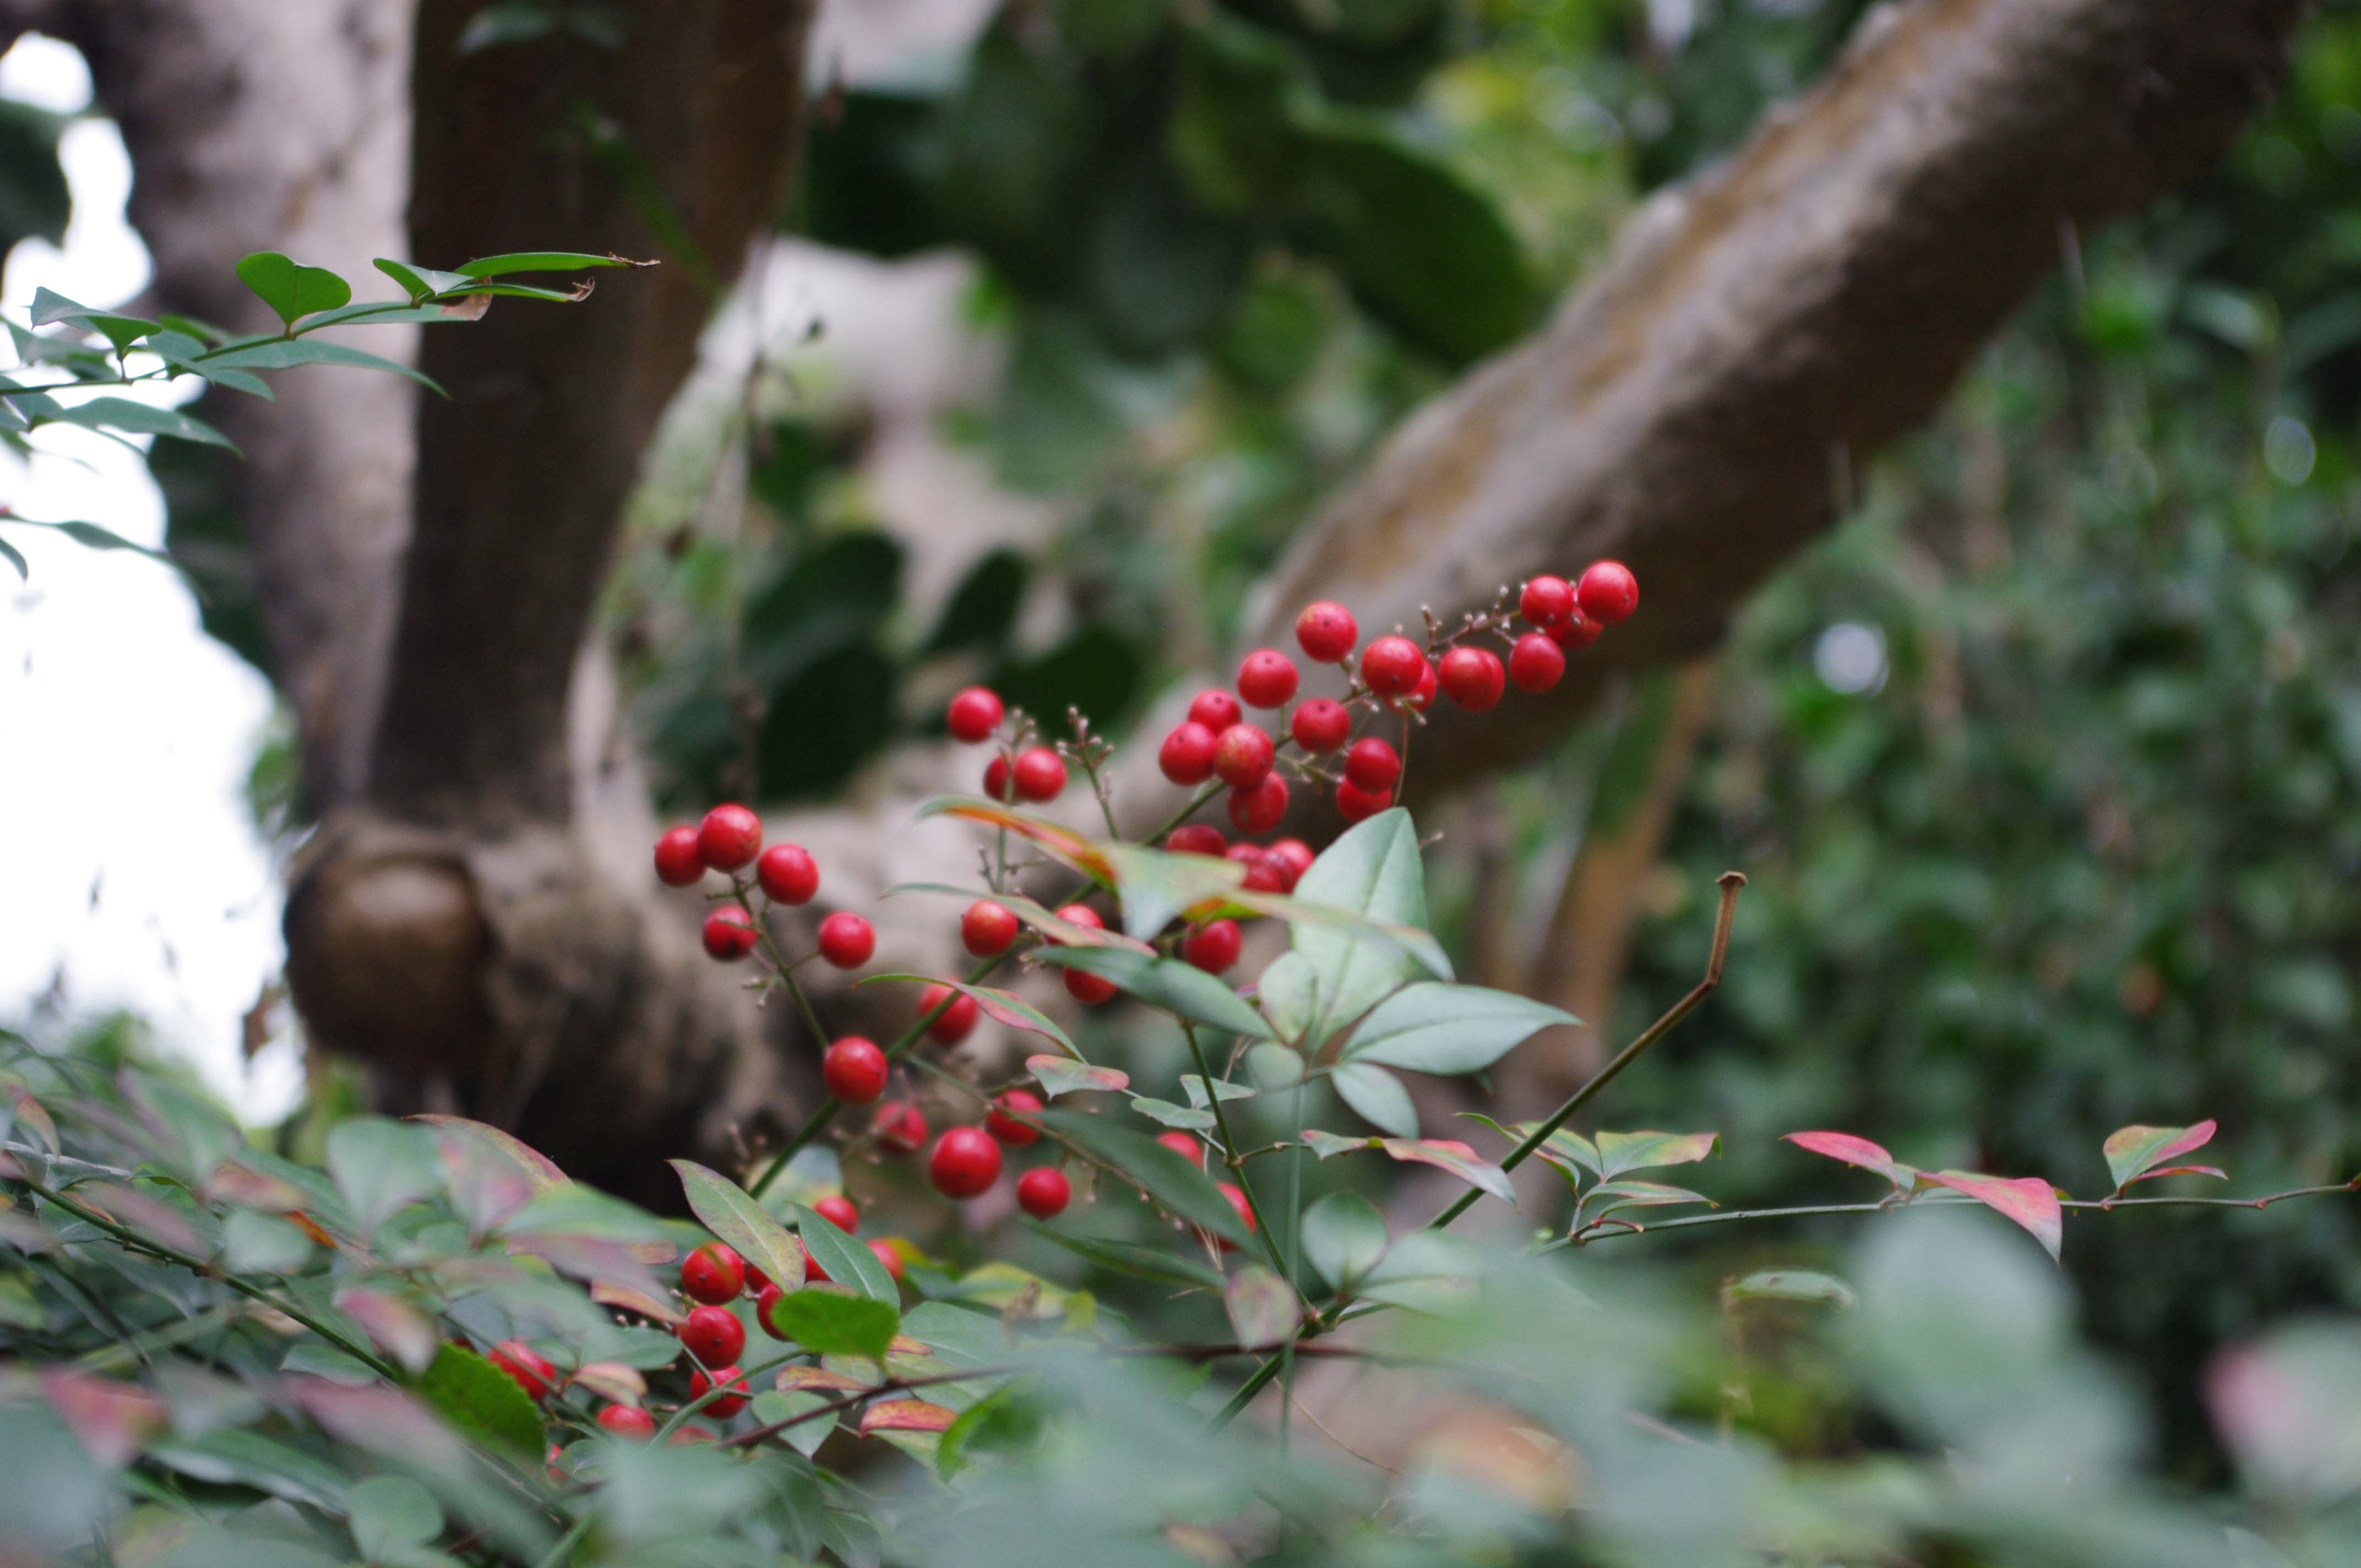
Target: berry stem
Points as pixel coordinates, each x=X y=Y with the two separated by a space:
x=1231 y=1158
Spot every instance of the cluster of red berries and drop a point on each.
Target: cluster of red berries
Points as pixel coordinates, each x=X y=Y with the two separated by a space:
x=1215 y=741
x=965 y=1161
x=728 y=840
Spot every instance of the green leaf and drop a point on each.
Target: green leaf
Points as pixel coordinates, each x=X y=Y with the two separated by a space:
x=1371 y=870
x=1614 y=1195
x=1223 y=1090
x=120 y=331
x=1621 y=1152
x=286 y=353
x=848 y=1262
x=1377 y=1097
x=2135 y=1152
x=1176 y=987
x=1156 y=886
x=1002 y=1006
x=543 y=261
x=1188 y=1117
x=835 y=1322
x=1001 y=1421
x=291 y=290
x=730 y=1214
x=90 y=536
x=389 y=1514
x=482 y=1401
x=1425 y=1271
x=382 y=1167
x=16 y=558
x=1344 y=1235
x=235 y=1457
x=181 y=352
x=421 y=282
x=1062 y=1075
x=1432 y=1028
x=1261 y=1308
x=1790 y=1285
x=1176 y=1184
x=123 y=413
x=1158 y=1265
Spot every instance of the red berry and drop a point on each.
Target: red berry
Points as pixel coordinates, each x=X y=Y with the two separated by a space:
x=1081 y=915
x=995 y=780
x=1216 y=709
x=1195 y=838
x=1579 y=631
x=1320 y=725
x=1546 y=602
x=1040 y=773
x=813 y=1272
x=1184 y=1146
x=1243 y=755
x=1089 y=989
x=1261 y=808
x=965 y=1162
x=729 y=934
x=1355 y=805
x=788 y=873
x=839 y=1212
x=846 y=939
x=712 y=1274
x=679 y=861
x=770 y=1299
x=729 y=837
x=1237 y=1198
x=1372 y=764
x=1391 y=666
x=854 y=1069
x=1326 y=631
x=987 y=929
x=1608 y=591
x=1535 y=664
x=958 y=1021
x=1423 y=697
x=1187 y=755
x=974 y=714
x=1044 y=1193
x=901 y=1126
x=1212 y=947
x=1295 y=855
x=532 y=1371
x=1266 y=678
x=1002 y=1124
x=726 y=1405
x=628 y=1422
x=1263 y=874
x=889 y=1256
x=1474 y=677
x=714 y=1335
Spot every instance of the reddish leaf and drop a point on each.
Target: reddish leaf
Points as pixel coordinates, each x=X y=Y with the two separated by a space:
x=2027 y=1199
x=828 y=1378
x=609 y=1293
x=1262 y=1309
x=248 y=1189
x=1449 y=1154
x=380 y=1421
x=2212 y=1170
x=114 y=1421
x=906 y=1415
x=400 y=1330
x=612 y=1380
x=30 y=1113
x=538 y=1168
x=1856 y=1151
x=1060 y=1075
x=151 y=1216
x=1061 y=843
x=590 y=1258
x=2134 y=1151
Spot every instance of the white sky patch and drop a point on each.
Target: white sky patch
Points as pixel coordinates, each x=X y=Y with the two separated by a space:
x=130 y=872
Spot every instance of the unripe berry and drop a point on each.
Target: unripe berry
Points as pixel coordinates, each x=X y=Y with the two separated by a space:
x=1263 y=874
x=901 y=1127
x=729 y=934
x=1422 y=697
x=1181 y=1144
x=1040 y=773
x=1372 y=764
x=1216 y=709
x=846 y=939
x=1320 y=725
x=1243 y=755
x=1044 y=1193
x=958 y=1021
x=966 y=1163
x=679 y=862
x=729 y=837
x=1002 y=1124
x=987 y=929
x=1295 y=855
x=1473 y=677
x=712 y=1274
x=1577 y=631
x=1608 y=591
x=1355 y=805
x=995 y=781
x=1212 y=947
x=532 y=1372
x=788 y=873
x=1195 y=838
x=1261 y=808
x=1266 y=678
x=1326 y=631
x=1546 y=602
x=714 y=1335
x=839 y=1212
x=728 y=1377
x=1391 y=666
x=974 y=714
x=628 y=1422
x=854 y=1069
x=1535 y=664
x=888 y=1257
x=1187 y=755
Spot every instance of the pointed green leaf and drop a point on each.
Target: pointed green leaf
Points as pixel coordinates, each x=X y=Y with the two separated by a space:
x=543 y=261
x=1002 y=1006
x=848 y=1262
x=418 y=283
x=729 y=1213
x=1155 y=886
x=286 y=353
x=1371 y=870
x=1062 y=1075
x=1432 y=1028
x=482 y=1401
x=123 y=413
x=1156 y=1265
x=1377 y=1097
x=829 y=1322
x=1344 y=1235
x=1170 y=1116
x=1176 y=987
x=1620 y=1152
x=1174 y=1183
x=1611 y=1196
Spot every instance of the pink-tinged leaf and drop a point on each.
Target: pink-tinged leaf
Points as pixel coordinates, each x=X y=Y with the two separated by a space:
x=30 y=1114
x=113 y=1420
x=538 y=1167
x=399 y=1329
x=1567 y=1153
x=1060 y=843
x=248 y=1189
x=137 y=1211
x=1327 y=1144
x=1064 y=932
x=2133 y=1151
x=1062 y=1075
x=820 y=1377
x=906 y=1415
x=1001 y=1006
x=902 y=1344
x=612 y=1380
x=1451 y=1155
x=381 y=1421
x=2216 y=1172
x=1856 y=1151
x=2027 y=1199
x=24 y=1233
x=485 y=1185
x=1262 y=1309
x=609 y=1293
x=592 y=1260
x=1621 y=1152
